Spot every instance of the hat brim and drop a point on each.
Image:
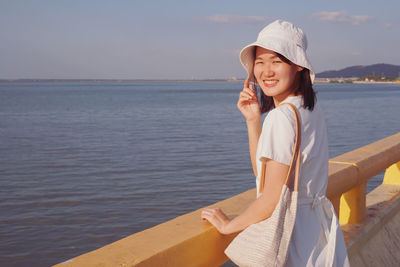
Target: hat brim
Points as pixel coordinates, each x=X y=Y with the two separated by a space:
x=291 y=51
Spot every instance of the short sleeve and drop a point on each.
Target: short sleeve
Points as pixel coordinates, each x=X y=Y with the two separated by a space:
x=278 y=134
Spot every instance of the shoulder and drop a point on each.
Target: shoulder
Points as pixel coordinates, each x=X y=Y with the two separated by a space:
x=280 y=123
x=281 y=115
x=278 y=134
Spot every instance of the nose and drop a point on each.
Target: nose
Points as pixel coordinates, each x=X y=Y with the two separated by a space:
x=267 y=71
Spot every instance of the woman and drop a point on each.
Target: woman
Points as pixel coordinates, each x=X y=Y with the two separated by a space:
x=278 y=64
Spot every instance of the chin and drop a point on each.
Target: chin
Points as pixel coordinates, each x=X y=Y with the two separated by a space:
x=270 y=92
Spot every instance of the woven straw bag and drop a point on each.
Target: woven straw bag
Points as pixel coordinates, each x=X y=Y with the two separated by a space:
x=266 y=243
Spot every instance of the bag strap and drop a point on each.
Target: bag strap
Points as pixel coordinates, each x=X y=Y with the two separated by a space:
x=295 y=156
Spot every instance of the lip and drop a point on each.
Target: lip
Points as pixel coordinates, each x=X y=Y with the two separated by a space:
x=270 y=82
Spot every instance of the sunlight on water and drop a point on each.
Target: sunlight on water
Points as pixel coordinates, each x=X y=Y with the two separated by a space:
x=85 y=164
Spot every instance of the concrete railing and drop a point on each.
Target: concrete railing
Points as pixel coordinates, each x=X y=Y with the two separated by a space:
x=189 y=241
x=349 y=173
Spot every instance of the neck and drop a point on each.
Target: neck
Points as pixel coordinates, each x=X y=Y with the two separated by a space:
x=279 y=99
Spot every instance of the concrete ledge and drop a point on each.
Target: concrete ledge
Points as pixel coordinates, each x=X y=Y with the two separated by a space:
x=355 y=167
x=376 y=241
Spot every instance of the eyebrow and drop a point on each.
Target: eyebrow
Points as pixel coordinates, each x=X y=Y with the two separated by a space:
x=271 y=57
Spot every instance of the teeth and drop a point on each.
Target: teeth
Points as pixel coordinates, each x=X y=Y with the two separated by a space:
x=269 y=82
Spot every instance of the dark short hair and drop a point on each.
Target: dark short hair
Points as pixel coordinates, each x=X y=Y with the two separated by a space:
x=304 y=89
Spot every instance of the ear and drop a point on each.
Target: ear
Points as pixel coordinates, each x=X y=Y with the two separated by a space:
x=299 y=68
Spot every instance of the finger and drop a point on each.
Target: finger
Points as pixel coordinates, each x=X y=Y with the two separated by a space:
x=213 y=219
x=207 y=212
x=208 y=216
x=208 y=209
x=251 y=85
x=203 y=214
x=211 y=213
x=246 y=83
x=245 y=97
x=214 y=212
x=247 y=94
x=250 y=91
x=244 y=94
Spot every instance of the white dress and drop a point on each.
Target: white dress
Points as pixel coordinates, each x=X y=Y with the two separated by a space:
x=317 y=237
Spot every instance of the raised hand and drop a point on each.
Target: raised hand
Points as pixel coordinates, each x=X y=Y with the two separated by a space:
x=248 y=102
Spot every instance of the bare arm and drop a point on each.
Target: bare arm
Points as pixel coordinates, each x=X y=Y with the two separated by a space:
x=254 y=132
x=250 y=108
x=259 y=209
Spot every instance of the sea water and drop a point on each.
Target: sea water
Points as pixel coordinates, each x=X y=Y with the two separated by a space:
x=83 y=164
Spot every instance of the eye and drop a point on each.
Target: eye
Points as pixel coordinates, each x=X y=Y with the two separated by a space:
x=277 y=61
x=258 y=62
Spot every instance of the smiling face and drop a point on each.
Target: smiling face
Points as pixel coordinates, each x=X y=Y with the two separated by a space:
x=276 y=77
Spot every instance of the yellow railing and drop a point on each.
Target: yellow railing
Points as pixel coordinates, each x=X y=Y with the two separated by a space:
x=189 y=241
x=349 y=173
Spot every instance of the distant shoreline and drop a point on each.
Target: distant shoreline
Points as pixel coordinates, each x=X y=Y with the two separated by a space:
x=317 y=80
x=349 y=81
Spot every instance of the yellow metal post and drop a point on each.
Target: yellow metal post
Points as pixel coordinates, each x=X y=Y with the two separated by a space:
x=353 y=205
x=392 y=174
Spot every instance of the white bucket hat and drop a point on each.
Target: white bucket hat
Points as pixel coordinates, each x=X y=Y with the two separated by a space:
x=281 y=37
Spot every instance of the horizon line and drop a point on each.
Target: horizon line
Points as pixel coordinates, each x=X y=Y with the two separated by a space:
x=118 y=80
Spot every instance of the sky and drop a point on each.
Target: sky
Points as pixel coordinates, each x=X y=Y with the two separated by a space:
x=121 y=39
